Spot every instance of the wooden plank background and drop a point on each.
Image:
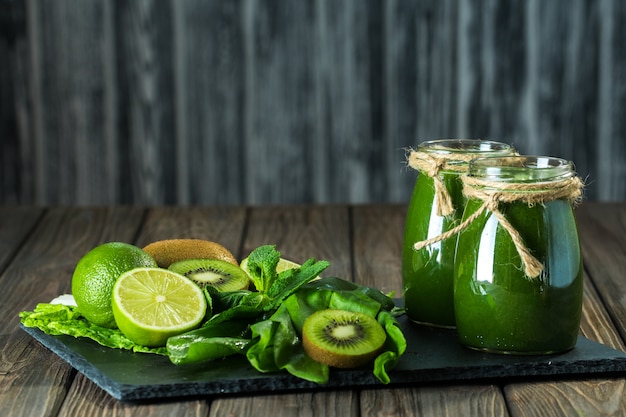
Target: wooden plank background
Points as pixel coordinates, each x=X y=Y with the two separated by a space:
x=281 y=101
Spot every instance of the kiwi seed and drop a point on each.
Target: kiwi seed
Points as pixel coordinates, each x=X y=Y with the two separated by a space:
x=342 y=339
x=221 y=275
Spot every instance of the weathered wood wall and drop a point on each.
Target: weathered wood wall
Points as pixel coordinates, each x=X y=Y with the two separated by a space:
x=282 y=101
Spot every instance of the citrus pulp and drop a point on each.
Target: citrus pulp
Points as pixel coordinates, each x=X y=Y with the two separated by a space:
x=152 y=304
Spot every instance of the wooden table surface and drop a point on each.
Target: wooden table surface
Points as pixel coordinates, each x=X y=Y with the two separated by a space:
x=39 y=248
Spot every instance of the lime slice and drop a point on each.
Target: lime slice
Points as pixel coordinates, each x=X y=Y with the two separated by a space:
x=152 y=304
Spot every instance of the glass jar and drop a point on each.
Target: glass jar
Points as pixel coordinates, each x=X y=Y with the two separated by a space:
x=436 y=205
x=518 y=284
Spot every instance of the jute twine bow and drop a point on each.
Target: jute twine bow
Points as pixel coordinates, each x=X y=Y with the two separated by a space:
x=431 y=165
x=494 y=193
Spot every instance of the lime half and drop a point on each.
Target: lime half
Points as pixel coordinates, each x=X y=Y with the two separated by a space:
x=152 y=304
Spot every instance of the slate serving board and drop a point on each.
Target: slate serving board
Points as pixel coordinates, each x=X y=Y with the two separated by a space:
x=432 y=355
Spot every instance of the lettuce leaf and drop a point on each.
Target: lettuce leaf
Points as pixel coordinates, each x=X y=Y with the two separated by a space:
x=211 y=342
x=59 y=319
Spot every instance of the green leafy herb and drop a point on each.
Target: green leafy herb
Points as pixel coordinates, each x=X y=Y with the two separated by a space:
x=262 y=264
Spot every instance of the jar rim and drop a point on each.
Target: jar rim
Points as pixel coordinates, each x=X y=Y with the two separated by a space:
x=453 y=146
x=524 y=168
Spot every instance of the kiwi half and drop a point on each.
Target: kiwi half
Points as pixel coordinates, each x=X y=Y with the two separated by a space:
x=342 y=339
x=221 y=275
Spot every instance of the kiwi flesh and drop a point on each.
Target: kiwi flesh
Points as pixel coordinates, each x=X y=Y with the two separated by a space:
x=342 y=339
x=221 y=275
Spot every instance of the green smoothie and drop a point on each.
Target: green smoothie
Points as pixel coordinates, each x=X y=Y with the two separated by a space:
x=427 y=274
x=498 y=308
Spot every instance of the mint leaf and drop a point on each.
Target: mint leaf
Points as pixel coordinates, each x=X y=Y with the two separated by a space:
x=288 y=281
x=262 y=264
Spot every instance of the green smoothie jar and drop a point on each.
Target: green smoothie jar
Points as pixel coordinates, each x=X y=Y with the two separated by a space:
x=436 y=205
x=518 y=275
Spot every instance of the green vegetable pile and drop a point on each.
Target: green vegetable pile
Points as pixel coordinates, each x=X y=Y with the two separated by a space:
x=264 y=325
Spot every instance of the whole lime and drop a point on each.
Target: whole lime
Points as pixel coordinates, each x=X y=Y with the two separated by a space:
x=96 y=273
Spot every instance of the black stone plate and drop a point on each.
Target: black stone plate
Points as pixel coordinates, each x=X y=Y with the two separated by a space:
x=432 y=355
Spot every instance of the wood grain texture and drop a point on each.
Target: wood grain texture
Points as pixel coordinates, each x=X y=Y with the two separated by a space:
x=303 y=232
x=87 y=399
x=567 y=398
x=144 y=74
x=44 y=266
x=69 y=153
x=377 y=236
x=444 y=401
x=225 y=225
x=604 y=246
x=596 y=322
x=270 y=102
x=302 y=405
x=210 y=102
x=15 y=224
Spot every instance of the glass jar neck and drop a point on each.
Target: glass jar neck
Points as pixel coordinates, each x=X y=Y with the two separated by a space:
x=461 y=151
x=473 y=146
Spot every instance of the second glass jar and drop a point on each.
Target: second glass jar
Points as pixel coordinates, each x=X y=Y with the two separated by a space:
x=499 y=308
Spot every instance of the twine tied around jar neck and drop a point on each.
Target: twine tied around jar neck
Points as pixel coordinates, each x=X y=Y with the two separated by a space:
x=431 y=165
x=493 y=193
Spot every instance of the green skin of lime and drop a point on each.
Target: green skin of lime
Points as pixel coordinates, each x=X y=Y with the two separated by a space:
x=96 y=273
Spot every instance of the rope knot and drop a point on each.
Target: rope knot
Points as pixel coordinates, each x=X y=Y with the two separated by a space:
x=493 y=202
x=432 y=165
x=437 y=165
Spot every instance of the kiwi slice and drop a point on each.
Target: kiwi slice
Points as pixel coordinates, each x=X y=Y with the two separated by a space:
x=342 y=339
x=221 y=275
